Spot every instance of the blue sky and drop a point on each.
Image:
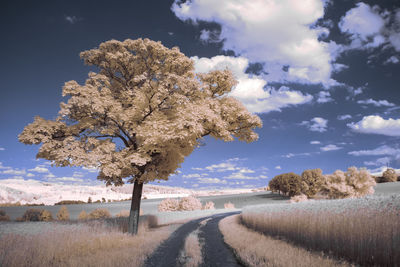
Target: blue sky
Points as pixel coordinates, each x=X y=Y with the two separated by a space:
x=322 y=75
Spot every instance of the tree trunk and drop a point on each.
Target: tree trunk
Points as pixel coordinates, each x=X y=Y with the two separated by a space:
x=135 y=208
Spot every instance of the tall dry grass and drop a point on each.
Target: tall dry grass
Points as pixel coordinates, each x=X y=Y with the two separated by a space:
x=258 y=250
x=94 y=243
x=191 y=254
x=365 y=231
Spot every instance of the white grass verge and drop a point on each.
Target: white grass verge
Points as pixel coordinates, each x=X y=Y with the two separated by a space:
x=255 y=249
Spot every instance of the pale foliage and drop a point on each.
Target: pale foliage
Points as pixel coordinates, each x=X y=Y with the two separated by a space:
x=191 y=254
x=184 y=204
x=229 y=205
x=312 y=181
x=63 y=214
x=298 y=198
x=189 y=203
x=353 y=183
x=148 y=98
x=125 y=213
x=99 y=214
x=209 y=206
x=46 y=216
x=389 y=176
x=168 y=204
x=83 y=215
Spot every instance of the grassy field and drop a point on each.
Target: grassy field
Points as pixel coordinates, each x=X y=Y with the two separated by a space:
x=259 y=250
x=365 y=231
x=94 y=243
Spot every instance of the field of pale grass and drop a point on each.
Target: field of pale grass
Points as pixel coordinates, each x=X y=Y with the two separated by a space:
x=93 y=243
x=365 y=231
x=191 y=255
x=258 y=250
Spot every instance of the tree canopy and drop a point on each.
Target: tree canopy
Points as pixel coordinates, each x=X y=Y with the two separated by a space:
x=141 y=114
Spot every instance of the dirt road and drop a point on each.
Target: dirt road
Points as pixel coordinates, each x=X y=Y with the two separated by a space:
x=214 y=251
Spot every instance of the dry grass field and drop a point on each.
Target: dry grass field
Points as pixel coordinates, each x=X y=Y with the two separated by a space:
x=259 y=250
x=365 y=231
x=94 y=243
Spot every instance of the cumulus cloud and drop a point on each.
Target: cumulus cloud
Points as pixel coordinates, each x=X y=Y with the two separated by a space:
x=330 y=148
x=251 y=90
x=291 y=155
x=370 y=27
x=194 y=175
x=378 y=162
x=2 y=149
x=39 y=169
x=315 y=142
x=392 y=60
x=211 y=181
x=14 y=171
x=242 y=176
x=364 y=25
x=208 y=36
x=344 y=117
x=375 y=124
x=316 y=124
x=281 y=34
x=379 y=151
x=72 y=19
x=379 y=103
x=324 y=97
x=278 y=167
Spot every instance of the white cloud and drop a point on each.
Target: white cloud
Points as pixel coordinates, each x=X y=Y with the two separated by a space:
x=39 y=169
x=315 y=142
x=379 y=103
x=330 y=148
x=378 y=162
x=277 y=33
x=30 y=175
x=209 y=36
x=72 y=19
x=377 y=125
x=278 y=167
x=251 y=90
x=379 y=151
x=222 y=167
x=14 y=171
x=392 y=60
x=68 y=179
x=364 y=24
x=316 y=124
x=240 y=175
x=49 y=176
x=324 y=97
x=3 y=167
x=2 y=149
x=291 y=155
x=92 y=169
x=344 y=117
x=194 y=175
x=211 y=181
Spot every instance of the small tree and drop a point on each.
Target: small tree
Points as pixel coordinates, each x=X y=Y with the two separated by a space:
x=288 y=183
x=63 y=214
x=312 y=182
x=139 y=116
x=389 y=176
x=353 y=183
x=89 y=201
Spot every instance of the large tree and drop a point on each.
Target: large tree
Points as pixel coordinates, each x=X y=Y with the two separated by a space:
x=139 y=117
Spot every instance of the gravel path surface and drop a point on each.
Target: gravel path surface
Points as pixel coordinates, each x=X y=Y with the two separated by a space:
x=215 y=252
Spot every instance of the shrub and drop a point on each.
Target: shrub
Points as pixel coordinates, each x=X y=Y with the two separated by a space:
x=288 y=183
x=389 y=176
x=298 y=198
x=353 y=183
x=63 y=214
x=89 y=200
x=312 y=182
x=123 y=213
x=83 y=215
x=190 y=203
x=229 y=205
x=209 y=206
x=46 y=216
x=99 y=214
x=32 y=215
x=4 y=216
x=69 y=202
x=168 y=204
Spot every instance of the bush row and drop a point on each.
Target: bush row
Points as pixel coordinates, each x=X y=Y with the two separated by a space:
x=188 y=204
x=312 y=183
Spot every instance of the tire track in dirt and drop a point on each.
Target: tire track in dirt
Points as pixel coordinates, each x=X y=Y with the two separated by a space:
x=215 y=251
